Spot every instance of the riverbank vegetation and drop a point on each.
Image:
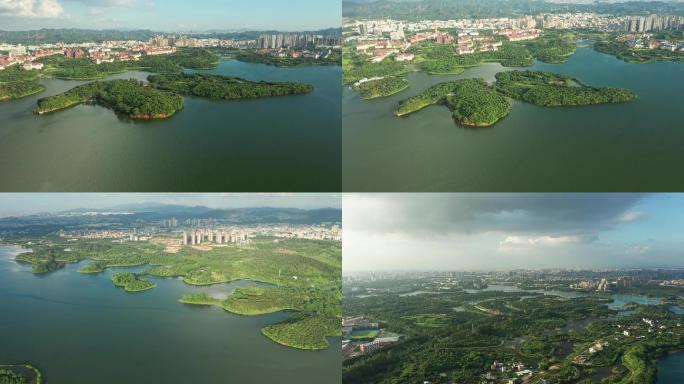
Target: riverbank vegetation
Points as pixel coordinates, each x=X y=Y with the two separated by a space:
x=636 y=55
x=223 y=87
x=383 y=87
x=130 y=97
x=253 y=56
x=132 y=282
x=552 y=90
x=84 y=69
x=433 y=95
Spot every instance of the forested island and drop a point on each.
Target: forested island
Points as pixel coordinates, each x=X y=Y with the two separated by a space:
x=472 y=101
x=552 y=90
x=223 y=87
x=381 y=87
x=131 y=97
x=20 y=374
x=301 y=277
x=131 y=282
x=475 y=103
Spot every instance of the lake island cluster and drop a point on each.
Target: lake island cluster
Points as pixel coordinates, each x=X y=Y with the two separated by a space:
x=380 y=51
x=289 y=261
x=166 y=55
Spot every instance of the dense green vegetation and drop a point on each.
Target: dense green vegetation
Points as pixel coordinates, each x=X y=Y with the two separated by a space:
x=19 y=89
x=20 y=374
x=47 y=263
x=356 y=67
x=551 y=335
x=631 y=55
x=131 y=282
x=433 y=95
x=251 y=56
x=304 y=277
x=475 y=103
x=222 y=87
x=16 y=83
x=132 y=98
x=551 y=90
x=386 y=86
x=552 y=47
x=304 y=332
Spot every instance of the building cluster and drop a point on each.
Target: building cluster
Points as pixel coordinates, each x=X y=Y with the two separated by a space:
x=604 y=285
x=583 y=357
x=352 y=348
x=645 y=41
x=297 y=41
x=395 y=29
x=501 y=372
x=214 y=236
x=102 y=234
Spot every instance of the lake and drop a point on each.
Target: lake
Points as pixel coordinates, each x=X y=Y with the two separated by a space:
x=81 y=329
x=635 y=146
x=290 y=143
x=671 y=369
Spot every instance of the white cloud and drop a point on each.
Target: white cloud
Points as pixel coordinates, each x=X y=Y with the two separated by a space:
x=637 y=250
x=534 y=241
x=31 y=8
x=629 y=217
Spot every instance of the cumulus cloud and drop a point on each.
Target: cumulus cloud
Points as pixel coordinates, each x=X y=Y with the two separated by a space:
x=31 y=8
x=629 y=217
x=637 y=250
x=534 y=241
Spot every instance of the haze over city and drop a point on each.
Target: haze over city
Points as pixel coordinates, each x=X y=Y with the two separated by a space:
x=170 y=15
x=509 y=231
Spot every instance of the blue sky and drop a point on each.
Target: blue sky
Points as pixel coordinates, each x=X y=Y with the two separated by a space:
x=12 y=204
x=507 y=231
x=171 y=15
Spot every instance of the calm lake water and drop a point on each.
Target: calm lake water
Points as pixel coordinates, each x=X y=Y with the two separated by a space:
x=635 y=146
x=288 y=143
x=81 y=329
x=671 y=369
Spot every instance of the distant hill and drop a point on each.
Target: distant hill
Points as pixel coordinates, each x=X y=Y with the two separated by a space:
x=448 y=9
x=73 y=35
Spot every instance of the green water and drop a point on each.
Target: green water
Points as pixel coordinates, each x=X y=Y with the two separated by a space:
x=81 y=329
x=273 y=144
x=637 y=146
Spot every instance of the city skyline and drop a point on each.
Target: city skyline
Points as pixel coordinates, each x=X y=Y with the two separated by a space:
x=21 y=204
x=169 y=16
x=511 y=231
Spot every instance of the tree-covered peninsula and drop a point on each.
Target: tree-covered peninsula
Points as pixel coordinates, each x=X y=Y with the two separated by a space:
x=552 y=90
x=475 y=103
x=224 y=87
x=381 y=87
x=472 y=101
x=132 y=98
